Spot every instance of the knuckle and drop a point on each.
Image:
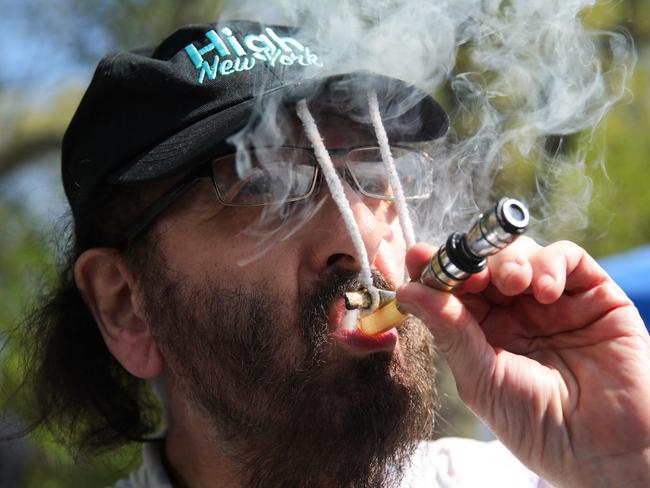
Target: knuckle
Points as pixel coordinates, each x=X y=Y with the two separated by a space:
x=608 y=291
x=528 y=240
x=567 y=246
x=518 y=250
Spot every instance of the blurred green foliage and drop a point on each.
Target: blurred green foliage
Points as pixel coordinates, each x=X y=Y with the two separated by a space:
x=619 y=213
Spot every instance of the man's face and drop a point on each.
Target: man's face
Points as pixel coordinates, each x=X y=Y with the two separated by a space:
x=258 y=349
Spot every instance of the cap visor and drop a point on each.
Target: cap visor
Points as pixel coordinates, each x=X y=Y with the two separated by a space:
x=409 y=115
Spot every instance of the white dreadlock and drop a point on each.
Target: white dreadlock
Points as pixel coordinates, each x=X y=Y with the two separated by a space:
x=338 y=193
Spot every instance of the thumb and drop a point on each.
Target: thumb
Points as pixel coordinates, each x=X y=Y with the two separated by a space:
x=458 y=336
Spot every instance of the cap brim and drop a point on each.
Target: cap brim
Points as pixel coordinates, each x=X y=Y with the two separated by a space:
x=413 y=116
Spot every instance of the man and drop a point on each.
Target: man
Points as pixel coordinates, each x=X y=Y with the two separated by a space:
x=211 y=258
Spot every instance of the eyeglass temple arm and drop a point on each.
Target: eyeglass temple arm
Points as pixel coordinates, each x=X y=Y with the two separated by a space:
x=137 y=227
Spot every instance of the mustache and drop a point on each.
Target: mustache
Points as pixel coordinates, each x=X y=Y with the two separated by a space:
x=336 y=283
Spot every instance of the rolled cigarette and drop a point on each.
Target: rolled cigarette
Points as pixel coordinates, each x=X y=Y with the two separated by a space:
x=382 y=319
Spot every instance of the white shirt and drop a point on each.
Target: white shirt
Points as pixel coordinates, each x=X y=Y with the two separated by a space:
x=446 y=463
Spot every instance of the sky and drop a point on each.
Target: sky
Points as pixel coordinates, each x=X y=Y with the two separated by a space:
x=33 y=64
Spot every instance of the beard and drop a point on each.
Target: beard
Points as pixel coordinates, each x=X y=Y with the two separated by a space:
x=290 y=408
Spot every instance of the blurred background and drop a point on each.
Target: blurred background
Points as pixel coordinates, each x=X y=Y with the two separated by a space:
x=48 y=51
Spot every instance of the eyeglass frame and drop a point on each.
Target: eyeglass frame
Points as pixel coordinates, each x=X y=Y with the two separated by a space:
x=135 y=229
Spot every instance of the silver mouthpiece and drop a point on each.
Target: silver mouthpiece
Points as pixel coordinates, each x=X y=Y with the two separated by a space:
x=496 y=229
x=465 y=254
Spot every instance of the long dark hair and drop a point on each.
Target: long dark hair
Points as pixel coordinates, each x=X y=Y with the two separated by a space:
x=73 y=384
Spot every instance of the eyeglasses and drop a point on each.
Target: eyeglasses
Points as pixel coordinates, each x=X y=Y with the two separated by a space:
x=277 y=175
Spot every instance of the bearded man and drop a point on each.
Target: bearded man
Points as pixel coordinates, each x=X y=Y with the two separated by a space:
x=210 y=259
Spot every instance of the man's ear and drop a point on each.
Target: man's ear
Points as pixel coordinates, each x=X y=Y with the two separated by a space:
x=109 y=290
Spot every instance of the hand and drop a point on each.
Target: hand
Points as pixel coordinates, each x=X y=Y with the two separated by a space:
x=552 y=355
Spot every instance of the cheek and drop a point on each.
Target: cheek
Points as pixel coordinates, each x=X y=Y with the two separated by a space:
x=227 y=256
x=390 y=258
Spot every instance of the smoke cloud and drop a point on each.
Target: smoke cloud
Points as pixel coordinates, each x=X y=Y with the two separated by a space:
x=525 y=83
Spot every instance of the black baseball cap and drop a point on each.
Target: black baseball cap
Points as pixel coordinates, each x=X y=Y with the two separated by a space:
x=151 y=113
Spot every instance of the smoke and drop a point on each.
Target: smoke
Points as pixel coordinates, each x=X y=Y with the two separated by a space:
x=526 y=84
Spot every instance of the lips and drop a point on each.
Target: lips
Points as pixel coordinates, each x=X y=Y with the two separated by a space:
x=356 y=340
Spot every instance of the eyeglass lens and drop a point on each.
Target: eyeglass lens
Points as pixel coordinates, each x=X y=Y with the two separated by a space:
x=264 y=176
x=273 y=175
x=413 y=170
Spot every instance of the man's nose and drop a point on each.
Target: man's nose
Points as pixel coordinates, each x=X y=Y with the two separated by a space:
x=331 y=242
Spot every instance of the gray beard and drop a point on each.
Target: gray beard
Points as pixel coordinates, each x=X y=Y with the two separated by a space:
x=291 y=417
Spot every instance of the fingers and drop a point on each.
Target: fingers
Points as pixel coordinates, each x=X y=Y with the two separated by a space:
x=457 y=333
x=533 y=306
x=525 y=267
x=552 y=264
x=511 y=271
x=545 y=272
x=418 y=257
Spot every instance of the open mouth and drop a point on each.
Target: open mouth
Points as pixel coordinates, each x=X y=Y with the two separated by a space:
x=353 y=338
